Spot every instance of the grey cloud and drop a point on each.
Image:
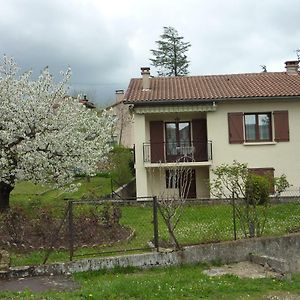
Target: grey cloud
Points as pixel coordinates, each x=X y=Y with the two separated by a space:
x=58 y=35
x=106 y=50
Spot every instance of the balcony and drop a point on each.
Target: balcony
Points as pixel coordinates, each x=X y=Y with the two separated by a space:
x=194 y=151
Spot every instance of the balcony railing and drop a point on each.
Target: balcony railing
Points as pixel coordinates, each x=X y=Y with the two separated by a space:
x=197 y=151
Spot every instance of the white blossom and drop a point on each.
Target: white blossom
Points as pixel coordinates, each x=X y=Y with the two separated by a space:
x=46 y=136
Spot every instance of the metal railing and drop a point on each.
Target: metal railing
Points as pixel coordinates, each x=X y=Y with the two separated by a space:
x=197 y=151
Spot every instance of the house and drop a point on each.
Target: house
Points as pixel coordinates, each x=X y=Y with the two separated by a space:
x=123 y=133
x=210 y=120
x=86 y=102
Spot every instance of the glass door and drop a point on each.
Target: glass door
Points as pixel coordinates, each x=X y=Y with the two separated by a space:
x=178 y=140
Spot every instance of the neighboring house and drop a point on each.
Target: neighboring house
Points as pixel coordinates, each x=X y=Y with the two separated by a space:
x=87 y=103
x=123 y=134
x=252 y=118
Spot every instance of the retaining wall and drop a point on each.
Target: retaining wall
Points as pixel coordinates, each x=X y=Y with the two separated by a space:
x=286 y=247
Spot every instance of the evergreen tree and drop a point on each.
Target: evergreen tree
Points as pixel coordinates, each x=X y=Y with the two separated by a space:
x=170 y=56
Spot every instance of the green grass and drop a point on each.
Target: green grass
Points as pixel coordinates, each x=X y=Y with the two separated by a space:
x=199 y=224
x=28 y=192
x=186 y=282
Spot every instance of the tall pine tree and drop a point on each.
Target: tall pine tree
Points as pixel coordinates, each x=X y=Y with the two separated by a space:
x=170 y=58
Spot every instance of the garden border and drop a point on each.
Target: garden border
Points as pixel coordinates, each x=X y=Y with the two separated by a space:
x=224 y=252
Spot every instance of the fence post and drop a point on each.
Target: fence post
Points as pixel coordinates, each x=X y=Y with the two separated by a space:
x=155 y=223
x=111 y=188
x=71 y=230
x=234 y=216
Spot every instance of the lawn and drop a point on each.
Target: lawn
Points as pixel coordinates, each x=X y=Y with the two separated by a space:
x=185 y=282
x=199 y=224
x=28 y=192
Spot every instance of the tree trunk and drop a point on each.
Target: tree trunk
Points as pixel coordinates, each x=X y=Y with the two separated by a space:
x=5 y=190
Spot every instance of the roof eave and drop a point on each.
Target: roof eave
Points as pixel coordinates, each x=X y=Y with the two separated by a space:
x=167 y=102
x=205 y=101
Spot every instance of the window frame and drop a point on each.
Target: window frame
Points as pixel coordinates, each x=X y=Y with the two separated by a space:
x=257 y=129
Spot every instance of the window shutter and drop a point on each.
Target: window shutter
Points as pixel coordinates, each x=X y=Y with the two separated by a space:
x=157 y=141
x=200 y=139
x=281 y=125
x=235 y=128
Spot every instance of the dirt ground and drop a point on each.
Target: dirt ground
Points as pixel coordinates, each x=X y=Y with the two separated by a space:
x=242 y=269
x=250 y=270
x=39 y=284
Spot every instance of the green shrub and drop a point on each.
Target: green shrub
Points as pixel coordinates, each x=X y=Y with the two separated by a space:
x=257 y=189
x=280 y=184
x=121 y=161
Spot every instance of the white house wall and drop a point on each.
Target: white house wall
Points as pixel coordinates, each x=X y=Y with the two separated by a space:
x=202 y=182
x=157 y=184
x=140 y=170
x=282 y=156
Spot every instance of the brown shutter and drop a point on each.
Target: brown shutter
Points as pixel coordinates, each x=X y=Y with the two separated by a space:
x=157 y=141
x=235 y=128
x=200 y=139
x=281 y=126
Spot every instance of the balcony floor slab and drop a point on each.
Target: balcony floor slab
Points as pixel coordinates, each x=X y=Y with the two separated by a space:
x=176 y=164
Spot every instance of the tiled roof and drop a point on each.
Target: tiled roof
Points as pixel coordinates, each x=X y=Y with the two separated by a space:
x=215 y=87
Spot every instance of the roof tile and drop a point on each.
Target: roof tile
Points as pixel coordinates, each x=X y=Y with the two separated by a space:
x=215 y=87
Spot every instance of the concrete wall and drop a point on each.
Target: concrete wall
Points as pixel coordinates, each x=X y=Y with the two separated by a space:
x=281 y=156
x=286 y=247
x=127 y=191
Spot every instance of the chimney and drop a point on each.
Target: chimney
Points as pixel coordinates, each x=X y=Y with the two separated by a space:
x=292 y=67
x=119 y=95
x=145 y=72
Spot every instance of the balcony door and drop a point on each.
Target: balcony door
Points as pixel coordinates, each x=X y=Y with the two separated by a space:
x=178 y=140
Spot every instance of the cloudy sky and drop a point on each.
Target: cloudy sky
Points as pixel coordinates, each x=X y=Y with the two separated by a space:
x=107 y=41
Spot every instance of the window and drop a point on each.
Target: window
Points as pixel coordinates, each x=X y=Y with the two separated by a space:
x=258 y=127
x=171 y=179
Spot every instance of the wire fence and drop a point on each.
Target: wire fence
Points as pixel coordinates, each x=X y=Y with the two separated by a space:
x=76 y=229
x=109 y=226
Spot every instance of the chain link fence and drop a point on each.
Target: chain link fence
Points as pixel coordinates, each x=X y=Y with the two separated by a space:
x=74 y=229
x=214 y=220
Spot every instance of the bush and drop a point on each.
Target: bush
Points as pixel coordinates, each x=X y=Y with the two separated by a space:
x=121 y=162
x=280 y=184
x=257 y=189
